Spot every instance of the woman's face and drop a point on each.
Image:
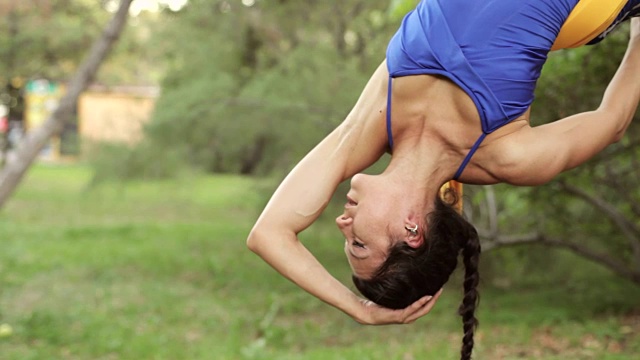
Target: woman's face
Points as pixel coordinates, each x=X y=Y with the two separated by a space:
x=373 y=220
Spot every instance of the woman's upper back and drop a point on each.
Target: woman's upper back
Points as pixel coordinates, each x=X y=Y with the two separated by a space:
x=440 y=113
x=492 y=49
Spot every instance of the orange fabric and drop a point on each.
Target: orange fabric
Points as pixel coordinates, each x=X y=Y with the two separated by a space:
x=587 y=20
x=457 y=187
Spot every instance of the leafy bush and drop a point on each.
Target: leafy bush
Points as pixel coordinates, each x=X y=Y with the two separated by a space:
x=115 y=161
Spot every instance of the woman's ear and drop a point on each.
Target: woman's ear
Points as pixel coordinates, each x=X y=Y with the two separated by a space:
x=414 y=241
x=414 y=235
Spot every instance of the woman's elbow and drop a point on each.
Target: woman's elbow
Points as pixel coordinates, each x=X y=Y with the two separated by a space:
x=263 y=239
x=622 y=119
x=619 y=134
x=254 y=240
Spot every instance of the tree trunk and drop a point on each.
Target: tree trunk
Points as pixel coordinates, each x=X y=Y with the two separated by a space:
x=17 y=166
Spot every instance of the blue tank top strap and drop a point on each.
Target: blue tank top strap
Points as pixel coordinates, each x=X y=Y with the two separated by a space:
x=469 y=156
x=389 y=132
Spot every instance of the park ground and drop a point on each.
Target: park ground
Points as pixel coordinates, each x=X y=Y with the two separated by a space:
x=160 y=270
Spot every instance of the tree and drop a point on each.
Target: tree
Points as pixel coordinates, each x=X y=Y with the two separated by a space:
x=40 y=38
x=248 y=73
x=17 y=166
x=48 y=39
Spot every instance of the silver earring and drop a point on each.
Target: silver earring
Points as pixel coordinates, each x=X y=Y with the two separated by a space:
x=413 y=230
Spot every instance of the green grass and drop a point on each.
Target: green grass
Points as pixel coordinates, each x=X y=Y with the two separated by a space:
x=159 y=270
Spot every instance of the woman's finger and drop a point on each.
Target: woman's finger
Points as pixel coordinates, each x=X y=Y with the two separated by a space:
x=423 y=310
x=418 y=304
x=408 y=312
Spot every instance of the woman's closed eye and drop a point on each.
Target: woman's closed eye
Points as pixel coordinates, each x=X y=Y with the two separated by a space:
x=357 y=244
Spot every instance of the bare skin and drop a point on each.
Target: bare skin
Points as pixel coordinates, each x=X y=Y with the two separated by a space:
x=435 y=124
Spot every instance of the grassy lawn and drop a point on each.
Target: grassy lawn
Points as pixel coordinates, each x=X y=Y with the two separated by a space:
x=159 y=270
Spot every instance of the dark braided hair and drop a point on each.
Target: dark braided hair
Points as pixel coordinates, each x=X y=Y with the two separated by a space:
x=411 y=273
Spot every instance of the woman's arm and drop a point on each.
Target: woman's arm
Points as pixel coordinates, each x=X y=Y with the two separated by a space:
x=544 y=151
x=357 y=143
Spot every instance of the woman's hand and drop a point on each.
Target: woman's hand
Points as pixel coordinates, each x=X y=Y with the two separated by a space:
x=373 y=314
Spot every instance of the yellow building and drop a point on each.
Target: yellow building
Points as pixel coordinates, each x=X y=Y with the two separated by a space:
x=104 y=114
x=115 y=114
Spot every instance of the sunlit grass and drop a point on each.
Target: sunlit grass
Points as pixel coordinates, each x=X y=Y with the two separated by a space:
x=159 y=270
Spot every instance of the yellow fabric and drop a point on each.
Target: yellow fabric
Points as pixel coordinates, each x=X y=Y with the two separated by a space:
x=587 y=20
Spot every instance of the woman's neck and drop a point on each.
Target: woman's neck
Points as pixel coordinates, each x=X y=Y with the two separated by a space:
x=421 y=164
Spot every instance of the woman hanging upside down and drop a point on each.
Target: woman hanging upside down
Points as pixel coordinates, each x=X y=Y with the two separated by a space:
x=455 y=93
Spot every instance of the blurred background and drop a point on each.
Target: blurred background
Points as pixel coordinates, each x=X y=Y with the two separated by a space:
x=126 y=239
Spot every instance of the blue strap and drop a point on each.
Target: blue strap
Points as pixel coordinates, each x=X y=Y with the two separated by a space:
x=469 y=155
x=389 y=134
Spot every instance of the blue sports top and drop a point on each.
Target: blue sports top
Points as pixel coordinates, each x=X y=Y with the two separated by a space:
x=492 y=49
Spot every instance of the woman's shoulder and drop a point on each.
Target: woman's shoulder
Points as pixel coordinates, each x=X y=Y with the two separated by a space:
x=502 y=157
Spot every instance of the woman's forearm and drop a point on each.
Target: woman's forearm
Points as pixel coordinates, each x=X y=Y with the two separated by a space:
x=623 y=93
x=291 y=259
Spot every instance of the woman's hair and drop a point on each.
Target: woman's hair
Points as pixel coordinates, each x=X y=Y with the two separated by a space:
x=411 y=273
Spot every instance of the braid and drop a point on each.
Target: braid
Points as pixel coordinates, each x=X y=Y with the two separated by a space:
x=469 y=242
x=471 y=257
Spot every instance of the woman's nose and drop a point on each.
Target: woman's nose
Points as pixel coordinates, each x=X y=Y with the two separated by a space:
x=343 y=221
x=356 y=179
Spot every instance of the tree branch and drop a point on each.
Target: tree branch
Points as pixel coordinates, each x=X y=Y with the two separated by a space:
x=536 y=238
x=628 y=228
x=613 y=181
x=494 y=241
x=490 y=196
x=35 y=141
x=605 y=156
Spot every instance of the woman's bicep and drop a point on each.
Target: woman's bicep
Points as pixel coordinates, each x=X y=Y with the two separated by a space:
x=550 y=149
x=353 y=146
x=307 y=189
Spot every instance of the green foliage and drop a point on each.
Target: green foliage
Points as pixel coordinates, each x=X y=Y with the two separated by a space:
x=256 y=87
x=45 y=41
x=48 y=39
x=574 y=80
x=114 y=161
x=399 y=8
